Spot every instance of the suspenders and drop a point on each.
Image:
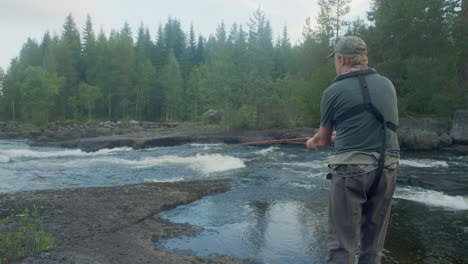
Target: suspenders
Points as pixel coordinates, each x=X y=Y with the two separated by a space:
x=368 y=107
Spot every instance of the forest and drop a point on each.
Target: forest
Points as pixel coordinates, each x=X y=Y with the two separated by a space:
x=254 y=77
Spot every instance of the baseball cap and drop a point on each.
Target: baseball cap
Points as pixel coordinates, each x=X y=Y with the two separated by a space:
x=349 y=45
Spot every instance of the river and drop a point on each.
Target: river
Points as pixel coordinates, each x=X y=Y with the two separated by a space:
x=276 y=210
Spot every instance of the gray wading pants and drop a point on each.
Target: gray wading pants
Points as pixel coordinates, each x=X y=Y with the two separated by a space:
x=358 y=220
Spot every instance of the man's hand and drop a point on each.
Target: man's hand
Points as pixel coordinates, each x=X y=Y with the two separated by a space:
x=311 y=145
x=322 y=138
x=333 y=137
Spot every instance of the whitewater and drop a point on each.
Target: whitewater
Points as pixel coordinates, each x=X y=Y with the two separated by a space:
x=276 y=210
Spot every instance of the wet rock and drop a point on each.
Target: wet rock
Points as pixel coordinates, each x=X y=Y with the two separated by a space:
x=117 y=224
x=423 y=133
x=8 y=126
x=418 y=139
x=459 y=130
x=437 y=125
x=445 y=140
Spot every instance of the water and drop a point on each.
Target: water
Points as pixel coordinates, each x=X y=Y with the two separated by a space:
x=276 y=211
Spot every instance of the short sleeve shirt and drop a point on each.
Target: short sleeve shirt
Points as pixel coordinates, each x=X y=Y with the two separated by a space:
x=361 y=132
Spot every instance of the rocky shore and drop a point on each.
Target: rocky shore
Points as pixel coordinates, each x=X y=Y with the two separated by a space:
x=121 y=224
x=112 y=224
x=413 y=134
x=140 y=134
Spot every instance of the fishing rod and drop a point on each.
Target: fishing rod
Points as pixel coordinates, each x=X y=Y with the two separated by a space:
x=275 y=141
x=264 y=142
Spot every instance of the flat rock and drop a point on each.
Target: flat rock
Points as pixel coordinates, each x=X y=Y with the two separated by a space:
x=112 y=224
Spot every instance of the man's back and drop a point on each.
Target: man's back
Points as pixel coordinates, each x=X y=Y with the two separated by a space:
x=362 y=131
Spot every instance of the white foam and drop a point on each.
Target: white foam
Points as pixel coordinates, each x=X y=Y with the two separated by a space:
x=206 y=145
x=432 y=198
x=295 y=171
x=314 y=164
x=176 y=179
x=267 y=150
x=424 y=163
x=204 y=163
x=4 y=159
x=108 y=151
x=27 y=153
x=304 y=186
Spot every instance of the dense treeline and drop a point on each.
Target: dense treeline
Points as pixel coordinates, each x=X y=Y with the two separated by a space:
x=243 y=71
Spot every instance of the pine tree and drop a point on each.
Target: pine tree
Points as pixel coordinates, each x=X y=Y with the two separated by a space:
x=104 y=75
x=144 y=72
x=2 y=77
x=68 y=60
x=173 y=87
x=124 y=65
x=192 y=48
x=200 y=52
x=159 y=57
x=417 y=53
x=325 y=22
x=339 y=8
x=89 y=55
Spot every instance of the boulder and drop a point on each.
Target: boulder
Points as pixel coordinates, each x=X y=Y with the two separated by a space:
x=459 y=130
x=8 y=126
x=418 y=139
x=424 y=133
x=213 y=116
x=437 y=125
x=445 y=140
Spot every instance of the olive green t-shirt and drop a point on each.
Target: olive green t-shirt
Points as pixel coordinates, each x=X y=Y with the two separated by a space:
x=361 y=132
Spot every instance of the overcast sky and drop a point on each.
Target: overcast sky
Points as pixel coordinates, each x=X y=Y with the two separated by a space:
x=20 y=19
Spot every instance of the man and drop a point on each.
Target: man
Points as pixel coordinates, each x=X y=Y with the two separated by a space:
x=361 y=106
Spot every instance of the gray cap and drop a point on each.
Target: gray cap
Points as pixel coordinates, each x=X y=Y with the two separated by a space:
x=350 y=45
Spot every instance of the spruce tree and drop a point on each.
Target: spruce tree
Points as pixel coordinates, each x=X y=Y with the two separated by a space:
x=68 y=65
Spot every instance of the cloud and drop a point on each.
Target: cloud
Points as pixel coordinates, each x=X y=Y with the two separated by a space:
x=17 y=12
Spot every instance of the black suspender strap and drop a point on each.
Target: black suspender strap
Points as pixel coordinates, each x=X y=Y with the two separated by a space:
x=367 y=106
x=378 y=115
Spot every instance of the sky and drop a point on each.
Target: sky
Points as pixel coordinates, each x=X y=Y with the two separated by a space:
x=20 y=19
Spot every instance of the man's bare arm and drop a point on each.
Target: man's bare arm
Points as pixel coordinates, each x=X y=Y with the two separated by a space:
x=321 y=139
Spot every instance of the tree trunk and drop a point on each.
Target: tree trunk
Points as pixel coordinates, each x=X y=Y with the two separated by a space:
x=13 y=110
x=109 y=107
x=337 y=21
x=89 y=111
x=465 y=52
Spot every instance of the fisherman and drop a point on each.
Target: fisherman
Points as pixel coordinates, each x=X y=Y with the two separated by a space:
x=361 y=107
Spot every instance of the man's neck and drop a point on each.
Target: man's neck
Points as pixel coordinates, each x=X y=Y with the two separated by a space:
x=347 y=69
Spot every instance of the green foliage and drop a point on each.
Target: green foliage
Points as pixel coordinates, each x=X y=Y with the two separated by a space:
x=39 y=88
x=2 y=77
x=88 y=96
x=240 y=70
x=243 y=118
x=418 y=53
x=24 y=235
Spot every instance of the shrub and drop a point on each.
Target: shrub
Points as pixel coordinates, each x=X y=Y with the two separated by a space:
x=24 y=235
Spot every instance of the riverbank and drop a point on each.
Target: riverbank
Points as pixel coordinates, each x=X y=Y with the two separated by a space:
x=417 y=134
x=138 y=135
x=112 y=224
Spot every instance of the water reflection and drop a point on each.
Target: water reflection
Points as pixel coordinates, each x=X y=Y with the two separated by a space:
x=270 y=232
x=255 y=235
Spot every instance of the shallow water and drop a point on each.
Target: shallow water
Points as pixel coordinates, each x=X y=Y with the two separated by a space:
x=276 y=211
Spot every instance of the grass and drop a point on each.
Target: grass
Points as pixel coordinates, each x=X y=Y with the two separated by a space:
x=24 y=235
